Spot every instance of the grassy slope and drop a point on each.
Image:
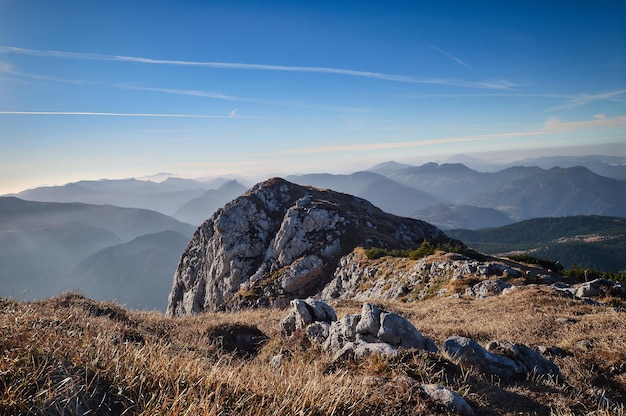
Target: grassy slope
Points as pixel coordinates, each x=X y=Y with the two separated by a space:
x=69 y=354
x=589 y=241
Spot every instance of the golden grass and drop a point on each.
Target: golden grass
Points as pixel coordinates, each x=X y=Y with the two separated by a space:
x=71 y=355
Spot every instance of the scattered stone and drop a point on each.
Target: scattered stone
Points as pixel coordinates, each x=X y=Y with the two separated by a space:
x=584 y=344
x=374 y=331
x=532 y=361
x=446 y=398
x=487 y=288
x=277 y=361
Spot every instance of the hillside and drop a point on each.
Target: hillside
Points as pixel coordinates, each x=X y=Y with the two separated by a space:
x=588 y=241
x=70 y=355
x=138 y=273
x=462 y=216
x=41 y=243
x=199 y=209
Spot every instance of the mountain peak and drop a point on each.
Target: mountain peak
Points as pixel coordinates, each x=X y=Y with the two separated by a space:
x=280 y=241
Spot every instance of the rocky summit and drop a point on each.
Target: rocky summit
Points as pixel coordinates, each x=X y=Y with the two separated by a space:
x=281 y=241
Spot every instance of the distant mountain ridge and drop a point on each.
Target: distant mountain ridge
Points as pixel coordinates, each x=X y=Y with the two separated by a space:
x=594 y=242
x=41 y=243
x=167 y=197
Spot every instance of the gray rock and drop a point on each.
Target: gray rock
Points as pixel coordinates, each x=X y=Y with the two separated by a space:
x=501 y=358
x=469 y=354
x=370 y=320
x=358 y=350
x=487 y=288
x=341 y=332
x=318 y=332
x=397 y=331
x=304 y=313
x=321 y=311
x=446 y=398
x=533 y=362
x=277 y=361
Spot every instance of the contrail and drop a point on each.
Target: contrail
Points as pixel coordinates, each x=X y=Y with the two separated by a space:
x=454 y=58
x=109 y=114
x=498 y=85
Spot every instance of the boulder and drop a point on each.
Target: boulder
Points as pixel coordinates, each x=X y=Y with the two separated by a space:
x=532 y=361
x=449 y=400
x=487 y=288
x=358 y=350
x=354 y=335
x=501 y=358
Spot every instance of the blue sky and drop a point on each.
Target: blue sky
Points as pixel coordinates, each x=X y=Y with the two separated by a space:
x=95 y=89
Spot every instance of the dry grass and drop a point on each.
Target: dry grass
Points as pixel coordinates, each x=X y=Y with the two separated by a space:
x=70 y=355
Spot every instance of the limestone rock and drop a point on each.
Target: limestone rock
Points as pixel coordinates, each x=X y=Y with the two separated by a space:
x=446 y=398
x=357 y=278
x=487 y=288
x=502 y=358
x=358 y=350
x=354 y=335
x=281 y=241
x=531 y=360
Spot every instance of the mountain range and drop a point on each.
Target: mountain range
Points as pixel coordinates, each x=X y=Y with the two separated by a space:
x=95 y=236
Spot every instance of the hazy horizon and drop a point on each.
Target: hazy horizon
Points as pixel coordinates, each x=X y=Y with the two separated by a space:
x=118 y=90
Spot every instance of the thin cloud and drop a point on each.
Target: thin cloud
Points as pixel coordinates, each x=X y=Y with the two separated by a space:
x=193 y=93
x=454 y=58
x=499 y=85
x=584 y=99
x=10 y=69
x=552 y=126
x=108 y=114
x=219 y=96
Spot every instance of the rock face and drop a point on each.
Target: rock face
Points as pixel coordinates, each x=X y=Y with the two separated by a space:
x=282 y=241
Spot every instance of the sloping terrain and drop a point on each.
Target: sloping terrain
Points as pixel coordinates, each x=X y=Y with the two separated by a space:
x=587 y=241
x=137 y=274
x=201 y=208
x=462 y=216
x=70 y=355
x=41 y=243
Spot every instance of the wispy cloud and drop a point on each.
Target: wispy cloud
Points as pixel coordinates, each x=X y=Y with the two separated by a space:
x=220 y=96
x=454 y=58
x=10 y=69
x=193 y=93
x=500 y=85
x=581 y=100
x=110 y=114
x=551 y=126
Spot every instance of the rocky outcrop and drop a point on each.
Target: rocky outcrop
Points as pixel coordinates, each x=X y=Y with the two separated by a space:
x=282 y=241
x=373 y=331
x=357 y=278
